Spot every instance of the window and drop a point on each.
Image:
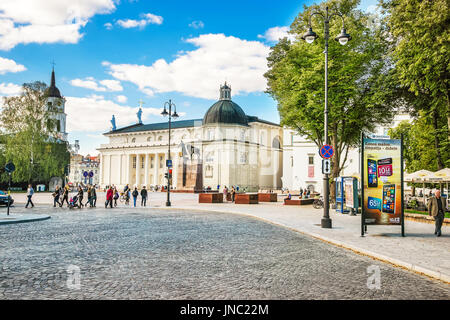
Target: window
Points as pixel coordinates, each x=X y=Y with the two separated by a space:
x=160 y=162
x=133 y=140
x=160 y=138
x=262 y=138
x=292 y=138
x=143 y=162
x=149 y=139
x=134 y=162
x=292 y=161
x=243 y=135
x=310 y=159
x=209 y=171
x=152 y=160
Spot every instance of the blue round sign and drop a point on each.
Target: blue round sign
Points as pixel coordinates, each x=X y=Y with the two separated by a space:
x=326 y=151
x=85 y=174
x=91 y=174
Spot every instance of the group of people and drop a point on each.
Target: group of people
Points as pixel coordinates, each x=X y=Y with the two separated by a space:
x=232 y=193
x=112 y=194
x=77 y=200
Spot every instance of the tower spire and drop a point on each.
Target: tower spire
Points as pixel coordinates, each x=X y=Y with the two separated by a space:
x=225 y=92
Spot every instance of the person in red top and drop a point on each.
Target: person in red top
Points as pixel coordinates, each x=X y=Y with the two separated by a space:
x=109 y=197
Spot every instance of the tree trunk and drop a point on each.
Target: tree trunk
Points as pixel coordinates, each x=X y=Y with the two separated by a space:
x=440 y=163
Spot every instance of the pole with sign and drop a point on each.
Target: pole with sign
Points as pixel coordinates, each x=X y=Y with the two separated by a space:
x=326 y=152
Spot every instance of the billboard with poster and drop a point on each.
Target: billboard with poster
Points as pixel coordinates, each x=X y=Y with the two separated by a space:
x=382 y=181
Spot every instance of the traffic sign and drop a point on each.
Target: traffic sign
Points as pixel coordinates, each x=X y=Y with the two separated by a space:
x=168 y=163
x=326 y=166
x=10 y=167
x=85 y=174
x=326 y=151
x=91 y=174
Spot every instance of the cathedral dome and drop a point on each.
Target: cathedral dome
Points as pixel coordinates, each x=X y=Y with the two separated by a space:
x=225 y=110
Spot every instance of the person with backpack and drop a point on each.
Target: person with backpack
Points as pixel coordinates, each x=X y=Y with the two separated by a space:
x=144 y=197
x=135 y=195
x=89 y=197
x=93 y=197
x=80 y=195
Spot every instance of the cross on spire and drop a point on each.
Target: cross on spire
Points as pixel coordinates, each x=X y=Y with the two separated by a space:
x=141 y=103
x=53 y=64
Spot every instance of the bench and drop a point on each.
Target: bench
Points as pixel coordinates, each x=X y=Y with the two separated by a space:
x=299 y=202
x=267 y=197
x=246 y=198
x=210 y=198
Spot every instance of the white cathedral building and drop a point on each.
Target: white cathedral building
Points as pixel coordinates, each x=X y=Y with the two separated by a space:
x=225 y=148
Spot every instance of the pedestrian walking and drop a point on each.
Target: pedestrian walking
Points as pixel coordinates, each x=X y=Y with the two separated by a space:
x=109 y=198
x=135 y=195
x=436 y=208
x=301 y=193
x=233 y=193
x=30 y=192
x=89 y=197
x=93 y=197
x=56 y=194
x=225 y=193
x=144 y=195
x=65 y=196
x=116 y=196
x=80 y=196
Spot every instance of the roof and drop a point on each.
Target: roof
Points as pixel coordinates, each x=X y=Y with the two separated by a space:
x=256 y=119
x=225 y=111
x=157 y=126
x=53 y=91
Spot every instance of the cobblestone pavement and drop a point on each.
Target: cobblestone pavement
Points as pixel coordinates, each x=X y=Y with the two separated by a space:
x=127 y=253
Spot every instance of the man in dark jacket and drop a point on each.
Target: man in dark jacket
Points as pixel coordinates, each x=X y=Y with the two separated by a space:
x=56 y=195
x=143 y=196
x=65 y=196
x=436 y=208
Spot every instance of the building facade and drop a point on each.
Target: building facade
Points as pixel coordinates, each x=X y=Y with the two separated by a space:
x=225 y=148
x=79 y=165
x=302 y=164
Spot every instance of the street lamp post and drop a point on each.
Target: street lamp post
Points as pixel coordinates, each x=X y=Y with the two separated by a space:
x=171 y=115
x=342 y=38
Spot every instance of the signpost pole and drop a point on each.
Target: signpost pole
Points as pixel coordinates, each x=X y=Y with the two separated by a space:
x=362 y=184
x=402 y=188
x=9 y=193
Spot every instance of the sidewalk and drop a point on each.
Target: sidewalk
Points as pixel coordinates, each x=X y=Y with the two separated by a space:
x=420 y=251
x=21 y=218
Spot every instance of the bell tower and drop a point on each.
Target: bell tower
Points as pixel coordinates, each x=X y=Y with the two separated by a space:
x=55 y=105
x=225 y=92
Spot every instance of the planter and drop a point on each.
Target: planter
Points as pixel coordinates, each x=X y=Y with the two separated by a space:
x=210 y=198
x=267 y=197
x=246 y=198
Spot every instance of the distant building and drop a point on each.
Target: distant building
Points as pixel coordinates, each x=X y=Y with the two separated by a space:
x=79 y=165
x=302 y=164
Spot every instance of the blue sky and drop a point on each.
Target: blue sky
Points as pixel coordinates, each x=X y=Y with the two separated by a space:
x=110 y=54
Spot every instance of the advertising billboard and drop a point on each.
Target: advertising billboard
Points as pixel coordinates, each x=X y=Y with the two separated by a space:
x=382 y=181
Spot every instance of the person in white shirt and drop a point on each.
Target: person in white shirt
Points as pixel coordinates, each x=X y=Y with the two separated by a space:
x=30 y=193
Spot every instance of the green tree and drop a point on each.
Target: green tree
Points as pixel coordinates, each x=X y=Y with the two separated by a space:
x=421 y=41
x=360 y=90
x=29 y=139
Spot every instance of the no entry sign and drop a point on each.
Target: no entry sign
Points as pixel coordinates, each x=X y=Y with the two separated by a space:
x=326 y=151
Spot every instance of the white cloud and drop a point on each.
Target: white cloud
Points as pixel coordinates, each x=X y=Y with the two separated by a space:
x=8 y=65
x=10 y=89
x=197 y=24
x=199 y=73
x=147 y=18
x=96 y=113
x=46 y=21
x=276 y=33
x=121 y=99
x=108 y=25
x=91 y=83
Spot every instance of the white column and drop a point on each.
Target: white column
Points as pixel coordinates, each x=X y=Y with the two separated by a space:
x=120 y=169
x=146 y=170
x=101 y=170
x=110 y=169
x=129 y=161
x=155 y=169
x=138 y=170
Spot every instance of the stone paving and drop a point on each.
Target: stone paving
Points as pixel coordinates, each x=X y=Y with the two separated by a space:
x=156 y=253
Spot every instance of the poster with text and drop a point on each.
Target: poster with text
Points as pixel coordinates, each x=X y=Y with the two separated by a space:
x=382 y=181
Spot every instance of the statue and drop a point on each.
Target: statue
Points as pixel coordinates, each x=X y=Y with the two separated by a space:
x=139 y=115
x=113 y=122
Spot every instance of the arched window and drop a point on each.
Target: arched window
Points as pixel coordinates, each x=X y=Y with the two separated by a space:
x=133 y=140
x=149 y=139
x=160 y=138
x=262 y=138
x=276 y=143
